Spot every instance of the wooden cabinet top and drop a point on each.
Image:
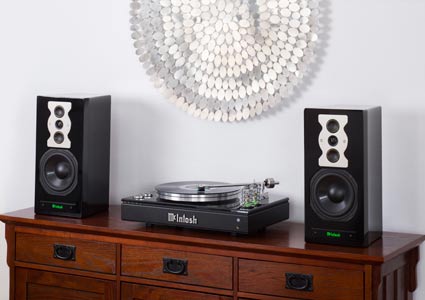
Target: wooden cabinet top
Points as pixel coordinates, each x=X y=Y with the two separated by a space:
x=285 y=238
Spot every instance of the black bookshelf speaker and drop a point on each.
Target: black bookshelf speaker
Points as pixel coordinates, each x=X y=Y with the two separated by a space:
x=72 y=155
x=343 y=175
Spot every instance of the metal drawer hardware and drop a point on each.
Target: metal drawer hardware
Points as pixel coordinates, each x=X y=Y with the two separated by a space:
x=299 y=282
x=175 y=266
x=64 y=252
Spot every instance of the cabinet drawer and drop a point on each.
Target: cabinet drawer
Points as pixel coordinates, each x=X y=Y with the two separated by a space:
x=268 y=298
x=177 y=266
x=142 y=292
x=299 y=281
x=41 y=285
x=66 y=252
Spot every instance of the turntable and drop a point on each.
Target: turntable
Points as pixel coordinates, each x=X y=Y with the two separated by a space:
x=236 y=208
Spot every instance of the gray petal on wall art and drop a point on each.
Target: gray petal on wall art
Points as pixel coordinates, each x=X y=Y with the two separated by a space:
x=225 y=60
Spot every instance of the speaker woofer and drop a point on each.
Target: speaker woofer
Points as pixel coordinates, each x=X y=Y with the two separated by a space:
x=334 y=195
x=58 y=172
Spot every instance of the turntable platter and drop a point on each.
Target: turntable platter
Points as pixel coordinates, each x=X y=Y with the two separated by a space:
x=189 y=191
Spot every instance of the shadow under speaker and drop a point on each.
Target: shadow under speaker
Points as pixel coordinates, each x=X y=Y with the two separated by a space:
x=72 y=155
x=343 y=175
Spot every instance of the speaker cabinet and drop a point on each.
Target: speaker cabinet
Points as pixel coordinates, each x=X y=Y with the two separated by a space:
x=72 y=155
x=343 y=175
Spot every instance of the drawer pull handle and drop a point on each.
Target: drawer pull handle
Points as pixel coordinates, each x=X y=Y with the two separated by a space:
x=299 y=282
x=64 y=252
x=174 y=266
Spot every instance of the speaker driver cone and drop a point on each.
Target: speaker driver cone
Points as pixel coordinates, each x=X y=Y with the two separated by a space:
x=58 y=172
x=334 y=195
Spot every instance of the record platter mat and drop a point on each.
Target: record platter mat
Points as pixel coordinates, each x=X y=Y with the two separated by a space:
x=192 y=191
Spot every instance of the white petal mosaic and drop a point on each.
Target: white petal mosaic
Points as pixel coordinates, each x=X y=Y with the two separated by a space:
x=225 y=60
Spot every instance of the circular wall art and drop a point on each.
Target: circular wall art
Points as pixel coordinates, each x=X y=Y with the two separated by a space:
x=225 y=60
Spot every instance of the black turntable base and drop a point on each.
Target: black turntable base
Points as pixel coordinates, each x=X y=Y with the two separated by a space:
x=218 y=207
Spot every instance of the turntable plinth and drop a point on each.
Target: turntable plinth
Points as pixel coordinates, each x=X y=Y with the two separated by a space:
x=103 y=257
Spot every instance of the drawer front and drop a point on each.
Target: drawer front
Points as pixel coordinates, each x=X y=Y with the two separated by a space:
x=299 y=281
x=177 y=266
x=142 y=292
x=66 y=252
x=41 y=285
x=268 y=298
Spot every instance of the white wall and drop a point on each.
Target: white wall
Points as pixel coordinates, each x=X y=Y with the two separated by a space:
x=374 y=54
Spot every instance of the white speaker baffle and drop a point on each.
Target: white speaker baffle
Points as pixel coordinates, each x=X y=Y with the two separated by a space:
x=333 y=141
x=59 y=124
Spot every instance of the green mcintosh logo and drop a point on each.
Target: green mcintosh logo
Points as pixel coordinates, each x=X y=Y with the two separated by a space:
x=57 y=206
x=333 y=234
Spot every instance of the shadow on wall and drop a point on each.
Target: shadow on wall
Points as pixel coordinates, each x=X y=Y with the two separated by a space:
x=404 y=164
x=136 y=147
x=315 y=66
x=403 y=202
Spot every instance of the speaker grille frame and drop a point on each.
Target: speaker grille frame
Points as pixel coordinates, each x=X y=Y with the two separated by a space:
x=319 y=210
x=42 y=176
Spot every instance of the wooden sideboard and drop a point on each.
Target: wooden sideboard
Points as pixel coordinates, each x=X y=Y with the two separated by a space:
x=103 y=257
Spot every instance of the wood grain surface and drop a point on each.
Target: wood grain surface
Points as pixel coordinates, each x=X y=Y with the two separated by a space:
x=41 y=285
x=90 y=255
x=118 y=259
x=141 y=292
x=285 y=238
x=269 y=278
x=204 y=270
